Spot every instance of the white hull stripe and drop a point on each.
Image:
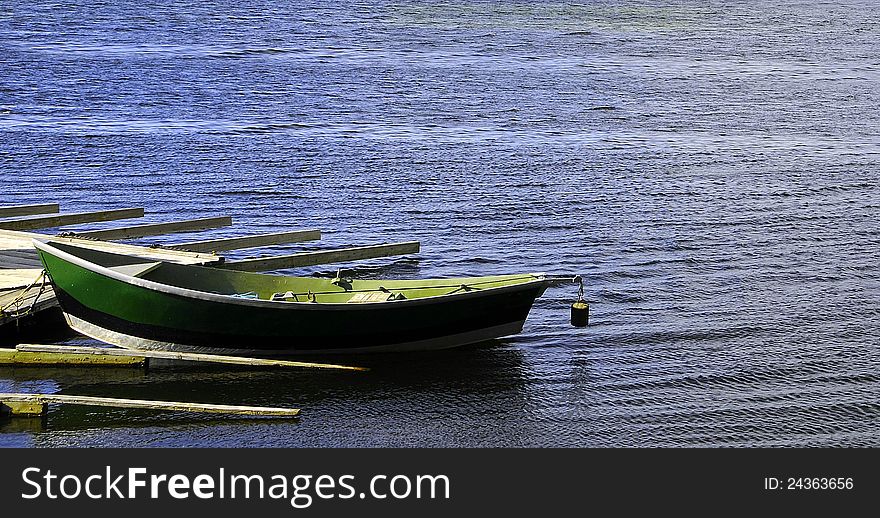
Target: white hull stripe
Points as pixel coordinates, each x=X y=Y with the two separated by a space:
x=445 y=342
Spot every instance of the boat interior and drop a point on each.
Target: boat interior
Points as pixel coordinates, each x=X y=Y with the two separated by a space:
x=283 y=288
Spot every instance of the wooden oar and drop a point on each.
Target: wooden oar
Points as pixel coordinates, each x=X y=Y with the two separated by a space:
x=168 y=355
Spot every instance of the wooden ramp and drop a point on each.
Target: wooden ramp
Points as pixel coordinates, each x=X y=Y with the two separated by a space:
x=17 y=404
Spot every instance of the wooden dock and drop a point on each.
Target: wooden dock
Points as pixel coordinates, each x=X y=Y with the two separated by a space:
x=27 y=308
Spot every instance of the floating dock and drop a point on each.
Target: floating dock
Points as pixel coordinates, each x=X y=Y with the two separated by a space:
x=28 y=306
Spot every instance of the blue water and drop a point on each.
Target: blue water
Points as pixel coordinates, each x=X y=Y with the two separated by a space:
x=712 y=171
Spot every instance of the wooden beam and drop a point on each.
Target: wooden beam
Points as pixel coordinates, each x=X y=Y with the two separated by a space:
x=43 y=399
x=61 y=220
x=27 y=359
x=169 y=355
x=262 y=264
x=28 y=210
x=14 y=240
x=238 y=243
x=155 y=229
x=23 y=408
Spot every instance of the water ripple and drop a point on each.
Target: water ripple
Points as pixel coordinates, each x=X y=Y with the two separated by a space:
x=709 y=171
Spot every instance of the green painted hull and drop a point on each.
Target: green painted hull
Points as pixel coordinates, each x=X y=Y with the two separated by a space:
x=191 y=308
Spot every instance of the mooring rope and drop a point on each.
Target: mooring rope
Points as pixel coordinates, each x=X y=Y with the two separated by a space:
x=19 y=299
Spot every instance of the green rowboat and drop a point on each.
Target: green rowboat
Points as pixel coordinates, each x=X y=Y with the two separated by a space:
x=127 y=302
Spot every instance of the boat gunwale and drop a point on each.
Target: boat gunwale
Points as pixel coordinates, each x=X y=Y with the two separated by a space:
x=46 y=246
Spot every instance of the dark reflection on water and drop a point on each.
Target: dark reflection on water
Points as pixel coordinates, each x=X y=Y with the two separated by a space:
x=711 y=171
x=399 y=392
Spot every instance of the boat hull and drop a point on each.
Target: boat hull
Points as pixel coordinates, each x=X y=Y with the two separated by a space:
x=135 y=316
x=433 y=344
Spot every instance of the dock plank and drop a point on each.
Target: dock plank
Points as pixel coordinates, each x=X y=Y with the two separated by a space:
x=342 y=255
x=60 y=220
x=10 y=211
x=169 y=355
x=21 y=254
x=17 y=278
x=18 y=259
x=11 y=239
x=155 y=229
x=254 y=241
x=31 y=359
x=42 y=399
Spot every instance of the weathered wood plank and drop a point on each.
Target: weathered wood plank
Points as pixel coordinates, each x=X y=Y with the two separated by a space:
x=18 y=278
x=5 y=399
x=10 y=260
x=23 y=408
x=10 y=211
x=21 y=254
x=11 y=239
x=24 y=359
x=168 y=355
x=342 y=255
x=37 y=222
x=256 y=241
x=155 y=229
